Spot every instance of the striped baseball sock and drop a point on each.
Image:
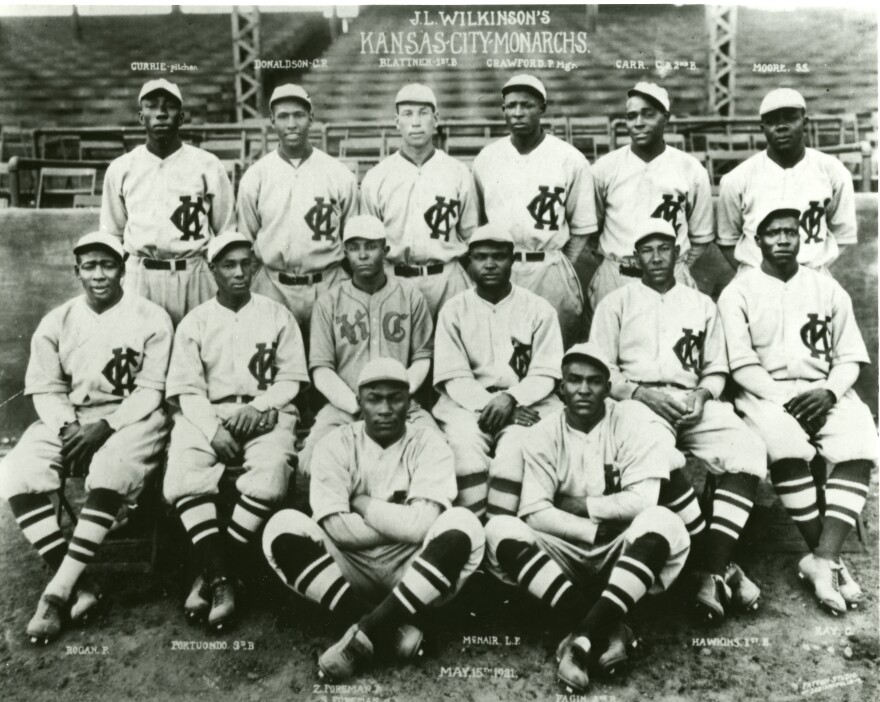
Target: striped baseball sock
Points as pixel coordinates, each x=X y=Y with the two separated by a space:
x=793 y=482
x=632 y=576
x=678 y=495
x=36 y=519
x=248 y=516
x=504 y=496
x=199 y=518
x=845 y=495
x=311 y=571
x=473 y=493
x=429 y=577
x=95 y=520
x=731 y=507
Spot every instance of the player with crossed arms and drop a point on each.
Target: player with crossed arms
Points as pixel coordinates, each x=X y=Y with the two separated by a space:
x=165 y=200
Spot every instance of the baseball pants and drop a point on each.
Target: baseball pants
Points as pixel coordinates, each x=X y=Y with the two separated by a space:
x=439 y=287
x=608 y=278
x=299 y=299
x=178 y=292
x=555 y=280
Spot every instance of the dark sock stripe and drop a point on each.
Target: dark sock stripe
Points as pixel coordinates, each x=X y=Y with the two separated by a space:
x=431 y=577
x=46 y=540
x=183 y=506
x=504 y=485
x=36 y=518
x=314 y=573
x=332 y=591
x=409 y=596
x=802 y=511
x=202 y=527
x=555 y=587
x=859 y=492
x=841 y=510
x=469 y=481
x=495 y=510
x=646 y=579
x=478 y=506
x=240 y=530
x=102 y=520
x=621 y=594
x=527 y=577
x=721 y=521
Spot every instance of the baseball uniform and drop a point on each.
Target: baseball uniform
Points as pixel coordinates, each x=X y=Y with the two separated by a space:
x=350 y=327
x=429 y=212
x=165 y=211
x=819 y=185
x=514 y=346
x=673 y=186
x=295 y=214
x=542 y=198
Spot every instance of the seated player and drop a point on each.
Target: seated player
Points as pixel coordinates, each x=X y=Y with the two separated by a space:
x=591 y=541
x=496 y=365
x=795 y=352
x=366 y=317
x=96 y=375
x=666 y=347
x=383 y=542
x=238 y=362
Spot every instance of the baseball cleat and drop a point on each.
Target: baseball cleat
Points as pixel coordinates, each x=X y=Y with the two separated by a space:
x=745 y=593
x=712 y=594
x=86 y=598
x=574 y=653
x=849 y=588
x=222 y=604
x=620 y=642
x=45 y=625
x=198 y=604
x=408 y=642
x=340 y=662
x=823 y=576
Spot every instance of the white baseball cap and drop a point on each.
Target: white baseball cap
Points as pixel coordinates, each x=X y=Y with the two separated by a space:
x=289 y=90
x=490 y=232
x=386 y=369
x=781 y=98
x=364 y=227
x=588 y=350
x=650 y=90
x=655 y=226
x=100 y=238
x=524 y=80
x=223 y=241
x=417 y=93
x=151 y=86
x=777 y=209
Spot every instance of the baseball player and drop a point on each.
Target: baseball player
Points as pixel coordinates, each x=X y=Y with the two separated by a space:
x=666 y=347
x=165 y=200
x=369 y=316
x=648 y=178
x=540 y=190
x=817 y=184
x=496 y=365
x=795 y=352
x=96 y=375
x=383 y=542
x=591 y=541
x=237 y=364
x=426 y=201
x=293 y=203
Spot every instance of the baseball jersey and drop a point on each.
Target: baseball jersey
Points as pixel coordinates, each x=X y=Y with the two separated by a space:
x=627 y=446
x=429 y=211
x=348 y=463
x=673 y=186
x=498 y=345
x=541 y=197
x=350 y=327
x=819 y=185
x=219 y=352
x=166 y=208
x=649 y=337
x=797 y=329
x=96 y=359
x=295 y=214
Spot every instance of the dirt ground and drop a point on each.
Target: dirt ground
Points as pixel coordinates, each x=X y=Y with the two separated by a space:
x=139 y=646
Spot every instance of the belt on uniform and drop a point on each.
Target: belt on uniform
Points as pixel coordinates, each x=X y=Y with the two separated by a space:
x=495 y=388
x=158 y=264
x=677 y=386
x=237 y=399
x=403 y=271
x=523 y=256
x=300 y=279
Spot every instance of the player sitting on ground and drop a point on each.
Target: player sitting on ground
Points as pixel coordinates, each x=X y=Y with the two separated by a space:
x=666 y=346
x=795 y=352
x=591 y=540
x=496 y=365
x=369 y=316
x=383 y=542
x=96 y=374
x=238 y=362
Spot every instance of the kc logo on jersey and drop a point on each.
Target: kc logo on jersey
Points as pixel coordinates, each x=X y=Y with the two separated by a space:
x=816 y=335
x=262 y=365
x=320 y=219
x=689 y=349
x=520 y=358
x=349 y=330
x=392 y=326
x=612 y=479
x=441 y=217
x=543 y=207
x=669 y=209
x=120 y=369
x=187 y=217
x=811 y=220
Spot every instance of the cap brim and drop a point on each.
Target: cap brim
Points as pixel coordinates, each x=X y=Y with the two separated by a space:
x=304 y=101
x=85 y=248
x=230 y=245
x=393 y=381
x=581 y=355
x=650 y=98
x=663 y=235
x=522 y=86
x=161 y=90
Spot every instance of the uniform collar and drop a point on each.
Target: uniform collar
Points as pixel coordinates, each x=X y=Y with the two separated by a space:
x=287 y=160
x=409 y=160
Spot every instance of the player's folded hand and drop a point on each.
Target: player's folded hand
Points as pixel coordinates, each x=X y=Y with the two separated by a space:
x=82 y=444
x=268 y=421
x=225 y=446
x=664 y=405
x=811 y=408
x=243 y=424
x=573 y=504
x=360 y=503
x=695 y=402
x=496 y=413
x=524 y=416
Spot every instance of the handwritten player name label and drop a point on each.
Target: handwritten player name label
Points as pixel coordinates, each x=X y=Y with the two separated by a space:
x=474 y=672
x=780 y=68
x=728 y=642
x=237 y=645
x=660 y=64
x=478 y=640
x=86 y=650
x=813 y=687
x=286 y=64
x=162 y=66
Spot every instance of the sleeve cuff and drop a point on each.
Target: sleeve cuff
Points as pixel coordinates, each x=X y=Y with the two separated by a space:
x=452 y=375
x=736 y=364
x=150 y=384
x=706 y=238
x=585 y=230
x=322 y=514
x=534 y=507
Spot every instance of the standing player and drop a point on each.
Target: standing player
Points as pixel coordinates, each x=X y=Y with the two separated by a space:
x=383 y=542
x=165 y=200
x=237 y=364
x=496 y=365
x=648 y=178
x=539 y=189
x=795 y=351
x=591 y=540
x=96 y=374
x=666 y=347
x=818 y=185
x=426 y=201
x=293 y=203
x=367 y=317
